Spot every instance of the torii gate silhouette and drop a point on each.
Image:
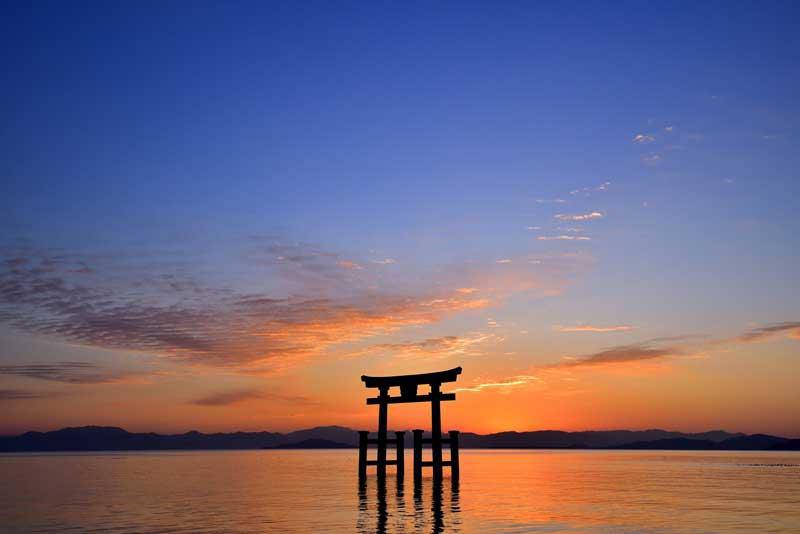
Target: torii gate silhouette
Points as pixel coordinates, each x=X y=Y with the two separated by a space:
x=408 y=393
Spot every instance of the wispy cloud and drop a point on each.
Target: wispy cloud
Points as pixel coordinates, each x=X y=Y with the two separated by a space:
x=349 y=265
x=636 y=352
x=673 y=346
x=652 y=158
x=592 y=328
x=385 y=261
x=580 y=216
x=506 y=383
x=550 y=201
x=791 y=328
x=439 y=347
x=587 y=191
x=188 y=320
x=22 y=394
x=563 y=238
x=643 y=139
x=71 y=373
x=158 y=310
x=227 y=398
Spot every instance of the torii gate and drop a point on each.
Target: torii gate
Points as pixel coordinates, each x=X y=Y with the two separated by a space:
x=408 y=393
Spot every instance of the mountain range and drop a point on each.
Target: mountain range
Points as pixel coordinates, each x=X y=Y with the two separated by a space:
x=97 y=438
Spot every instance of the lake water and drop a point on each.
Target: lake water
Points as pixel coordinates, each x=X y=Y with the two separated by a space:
x=296 y=491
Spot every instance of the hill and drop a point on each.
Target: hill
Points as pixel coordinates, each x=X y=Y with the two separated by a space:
x=97 y=438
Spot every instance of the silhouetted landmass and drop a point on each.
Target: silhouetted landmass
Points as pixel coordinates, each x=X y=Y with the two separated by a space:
x=675 y=444
x=788 y=445
x=754 y=442
x=313 y=443
x=95 y=438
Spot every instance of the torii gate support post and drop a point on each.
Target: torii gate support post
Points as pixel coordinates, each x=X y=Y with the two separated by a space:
x=454 y=467
x=383 y=416
x=436 y=431
x=401 y=452
x=418 y=456
x=363 y=440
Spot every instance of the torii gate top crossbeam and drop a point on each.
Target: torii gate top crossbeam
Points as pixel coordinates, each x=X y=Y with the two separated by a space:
x=451 y=375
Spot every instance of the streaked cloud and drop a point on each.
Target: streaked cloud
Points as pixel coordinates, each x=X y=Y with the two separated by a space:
x=587 y=191
x=563 y=238
x=23 y=394
x=592 y=328
x=550 y=201
x=432 y=348
x=467 y=290
x=505 y=383
x=652 y=158
x=643 y=139
x=636 y=352
x=298 y=303
x=504 y=260
x=349 y=265
x=580 y=216
x=191 y=320
x=385 y=261
x=238 y=396
x=70 y=373
x=791 y=328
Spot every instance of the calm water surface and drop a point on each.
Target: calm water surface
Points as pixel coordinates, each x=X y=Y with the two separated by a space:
x=317 y=491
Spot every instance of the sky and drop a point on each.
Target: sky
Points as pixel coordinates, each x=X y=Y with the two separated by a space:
x=218 y=216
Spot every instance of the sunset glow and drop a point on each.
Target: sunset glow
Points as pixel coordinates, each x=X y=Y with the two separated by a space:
x=232 y=252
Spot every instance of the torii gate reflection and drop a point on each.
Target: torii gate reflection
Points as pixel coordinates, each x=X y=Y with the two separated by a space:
x=408 y=393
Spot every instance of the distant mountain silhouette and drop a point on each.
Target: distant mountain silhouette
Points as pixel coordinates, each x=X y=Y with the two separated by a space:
x=96 y=438
x=754 y=442
x=788 y=445
x=678 y=444
x=313 y=443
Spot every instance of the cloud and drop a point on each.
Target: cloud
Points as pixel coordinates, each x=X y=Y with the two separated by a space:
x=185 y=319
x=635 y=352
x=563 y=238
x=289 y=304
x=791 y=328
x=510 y=382
x=683 y=346
x=22 y=394
x=385 y=261
x=353 y=266
x=643 y=139
x=69 y=373
x=467 y=290
x=504 y=260
x=652 y=158
x=242 y=395
x=590 y=328
x=439 y=347
x=550 y=201
x=580 y=216
x=587 y=191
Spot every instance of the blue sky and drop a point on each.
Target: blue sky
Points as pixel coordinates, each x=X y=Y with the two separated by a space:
x=414 y=147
